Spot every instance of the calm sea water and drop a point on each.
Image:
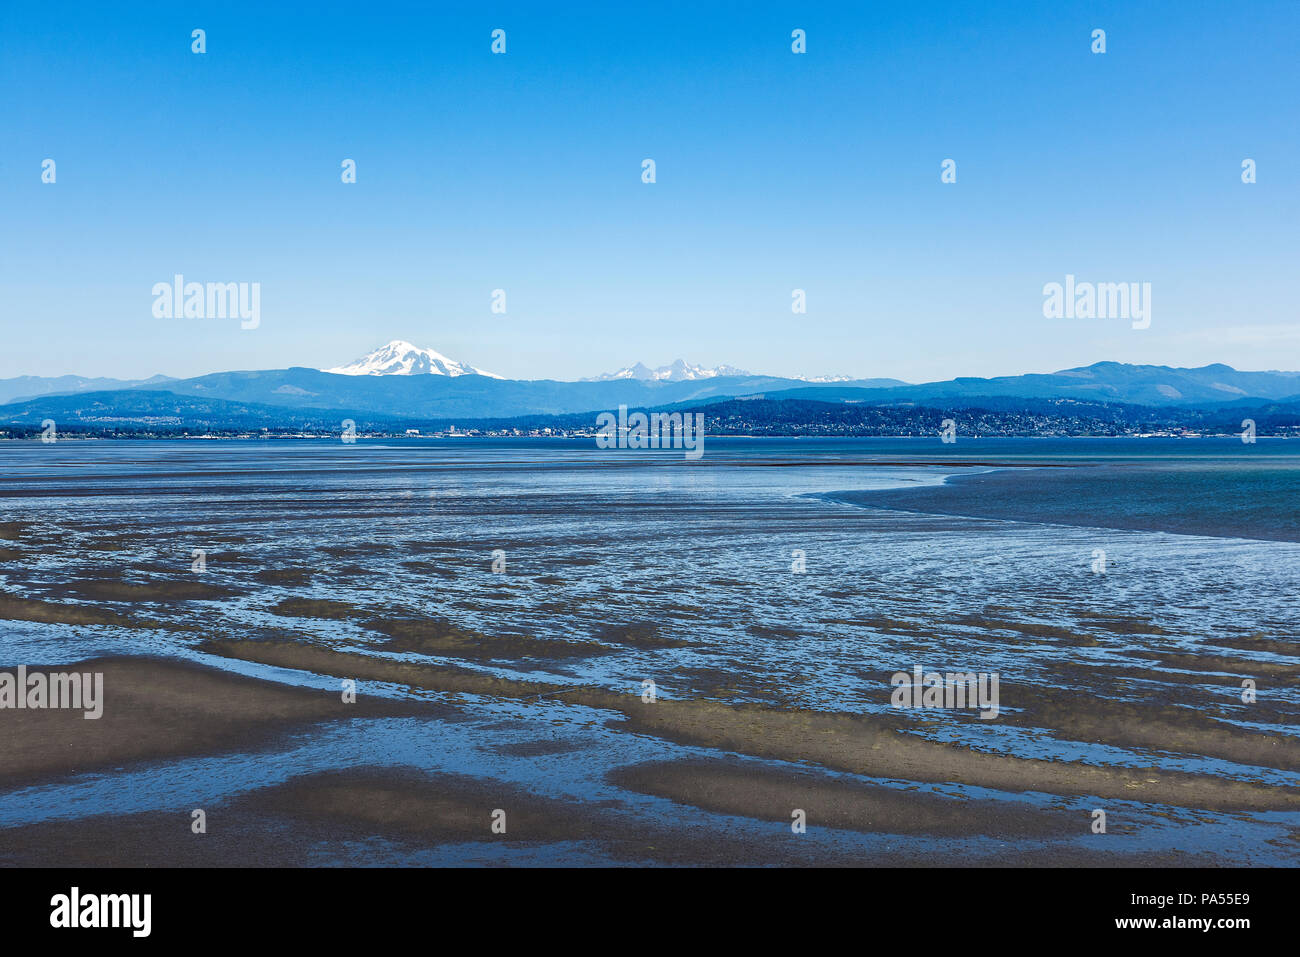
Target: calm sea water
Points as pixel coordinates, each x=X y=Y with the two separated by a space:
x=789 y=572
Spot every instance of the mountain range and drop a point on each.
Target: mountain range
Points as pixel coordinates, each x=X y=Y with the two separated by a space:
x=30 y=386
x=679 y=371
x=402 y=381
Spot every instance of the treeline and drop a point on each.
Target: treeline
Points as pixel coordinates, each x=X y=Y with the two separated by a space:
x=176 y=415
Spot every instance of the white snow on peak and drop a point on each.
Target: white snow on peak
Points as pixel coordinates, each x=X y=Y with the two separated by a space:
x=679 y=371
x=402 y=358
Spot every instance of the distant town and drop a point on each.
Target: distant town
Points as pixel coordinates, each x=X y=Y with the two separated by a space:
x=748 y=417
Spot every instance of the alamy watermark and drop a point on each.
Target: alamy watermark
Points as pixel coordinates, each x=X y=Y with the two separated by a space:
x=658 y=430
x=952 y=690
x=1103 y=300
x=75 y=909
x=179 y=299
x=57 y=690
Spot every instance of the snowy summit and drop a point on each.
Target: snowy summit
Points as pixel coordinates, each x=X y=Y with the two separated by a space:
x=402 y=358
x=679 y=371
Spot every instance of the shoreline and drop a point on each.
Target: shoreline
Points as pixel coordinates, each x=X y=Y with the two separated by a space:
x=780 y=437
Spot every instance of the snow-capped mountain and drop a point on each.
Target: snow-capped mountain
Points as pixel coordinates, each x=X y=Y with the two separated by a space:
x=679 y=371
x=402 y=358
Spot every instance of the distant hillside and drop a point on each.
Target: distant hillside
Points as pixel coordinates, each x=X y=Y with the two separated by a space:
x=424 y=396
x=161 y=413
x=1101 y=382
x=988 y=416
x=164 y=413
x=30 y=386
x=481 y=397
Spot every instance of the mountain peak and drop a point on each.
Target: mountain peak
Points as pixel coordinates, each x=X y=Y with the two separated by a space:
x=400 y=357
x=678 y=371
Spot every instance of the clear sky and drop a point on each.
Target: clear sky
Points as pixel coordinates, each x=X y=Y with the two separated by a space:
x=775 y=171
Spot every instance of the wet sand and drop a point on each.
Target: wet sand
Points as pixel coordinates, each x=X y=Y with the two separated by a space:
x=860 y=744
x=15 y=608
x=156 y=709
x=733 y=788
x=408 y=631
x=401 y=816
x=740 y=739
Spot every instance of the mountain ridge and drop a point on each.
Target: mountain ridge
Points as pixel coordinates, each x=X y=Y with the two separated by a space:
x=19 y=388
x=474 y=395
x=678 y=370
x=126 y=413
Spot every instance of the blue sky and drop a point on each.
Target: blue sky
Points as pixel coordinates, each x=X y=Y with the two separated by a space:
x=775 y=171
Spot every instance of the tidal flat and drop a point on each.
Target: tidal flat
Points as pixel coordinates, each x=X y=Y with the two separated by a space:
x=424 y=653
